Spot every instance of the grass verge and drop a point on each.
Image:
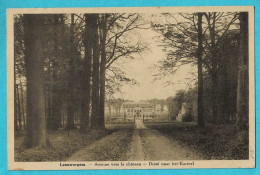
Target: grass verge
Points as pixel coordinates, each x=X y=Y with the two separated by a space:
x=111 y=148
x=62 y=145
x=218 y=142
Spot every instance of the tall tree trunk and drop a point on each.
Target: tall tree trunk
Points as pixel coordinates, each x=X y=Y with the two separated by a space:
x=15 y=108
x=56 y=94
x=243 y=82
x=86 y=76
x=103 y=71
x=49 y=99
x=109 y=109
x=70 y=119
x=214 y=93
x=200 y=76
x=36 y=134
x=22 y=103
x=95 y=74
x=19 y=108
x=213 y=71
x=224 y=103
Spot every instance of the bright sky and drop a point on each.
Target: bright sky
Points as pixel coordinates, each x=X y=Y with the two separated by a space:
x=142 y=69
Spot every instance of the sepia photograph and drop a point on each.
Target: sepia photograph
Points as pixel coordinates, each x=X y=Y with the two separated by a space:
x=131 y=88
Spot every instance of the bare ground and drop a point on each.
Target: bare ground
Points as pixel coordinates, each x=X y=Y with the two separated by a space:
x=144 y=142
x=137 y=144
x=150 y=144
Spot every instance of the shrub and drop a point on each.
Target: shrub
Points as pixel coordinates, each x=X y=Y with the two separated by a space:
x=187 y=118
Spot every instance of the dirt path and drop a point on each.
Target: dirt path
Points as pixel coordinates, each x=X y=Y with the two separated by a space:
x=136 y=149
x=139 y=124
x=152 y=145
x=139 y=144
x=156 y=146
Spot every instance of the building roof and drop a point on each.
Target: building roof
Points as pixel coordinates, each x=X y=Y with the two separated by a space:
x=137 y=104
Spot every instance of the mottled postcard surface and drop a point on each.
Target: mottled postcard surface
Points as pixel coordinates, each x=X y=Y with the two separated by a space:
x=131 y=88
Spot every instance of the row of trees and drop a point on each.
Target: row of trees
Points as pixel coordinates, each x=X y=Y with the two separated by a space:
x=114 y=106
x=64 y=66
x=217 y=43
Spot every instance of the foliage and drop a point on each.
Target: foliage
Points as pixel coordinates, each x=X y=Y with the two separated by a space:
x=179 y=34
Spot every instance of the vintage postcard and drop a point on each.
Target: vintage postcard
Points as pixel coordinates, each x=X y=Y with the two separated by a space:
x=131 y=88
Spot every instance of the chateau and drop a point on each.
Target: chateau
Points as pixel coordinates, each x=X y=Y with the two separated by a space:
x=133 y=110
